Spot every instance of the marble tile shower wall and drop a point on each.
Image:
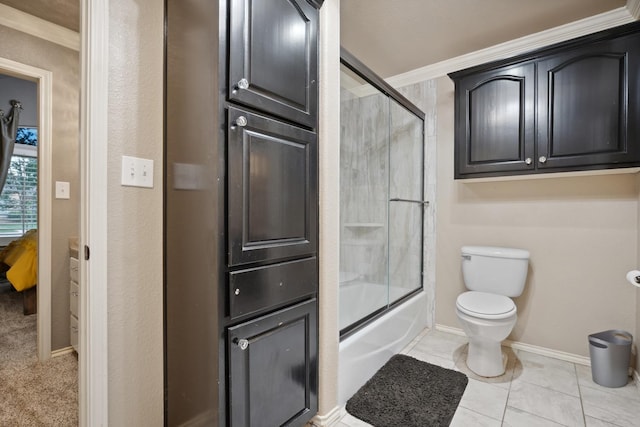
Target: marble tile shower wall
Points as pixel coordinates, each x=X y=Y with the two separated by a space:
x=371 y=174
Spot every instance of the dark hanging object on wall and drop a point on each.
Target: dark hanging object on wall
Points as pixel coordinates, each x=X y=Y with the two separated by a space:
x=8 y=130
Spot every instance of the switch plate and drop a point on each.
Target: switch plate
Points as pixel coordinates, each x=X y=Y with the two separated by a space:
x=62 y=190
x=137 y=172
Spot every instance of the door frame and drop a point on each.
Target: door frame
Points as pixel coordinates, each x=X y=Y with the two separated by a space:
x=94 y=56
x=44 y=80
x=93 y=372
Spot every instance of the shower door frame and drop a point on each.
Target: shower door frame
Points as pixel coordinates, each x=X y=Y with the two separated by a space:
x=354 y=64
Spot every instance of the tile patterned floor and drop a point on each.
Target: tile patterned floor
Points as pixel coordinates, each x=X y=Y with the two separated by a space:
x=535 y=391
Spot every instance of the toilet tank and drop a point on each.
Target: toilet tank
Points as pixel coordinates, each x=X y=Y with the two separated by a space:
x=496 y=270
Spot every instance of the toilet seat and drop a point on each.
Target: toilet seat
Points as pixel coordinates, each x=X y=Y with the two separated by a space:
x=484 y=305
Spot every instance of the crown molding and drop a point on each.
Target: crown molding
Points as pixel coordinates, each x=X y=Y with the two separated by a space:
x=34 y=26
x=521 y=45
x=633 y=7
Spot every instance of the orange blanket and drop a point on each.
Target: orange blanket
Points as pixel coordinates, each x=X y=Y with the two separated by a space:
x=22 y=256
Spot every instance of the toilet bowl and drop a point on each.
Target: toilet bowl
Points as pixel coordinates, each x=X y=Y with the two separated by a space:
x=486 y=312
x=485 y=332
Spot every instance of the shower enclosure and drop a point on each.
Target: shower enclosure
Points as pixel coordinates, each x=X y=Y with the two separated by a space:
x=381 y=197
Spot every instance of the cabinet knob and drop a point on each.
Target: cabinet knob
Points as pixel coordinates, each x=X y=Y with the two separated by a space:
x=241 y=121
x=243 y=84
x=542 y=159
x=528 y=160
x=242 y=343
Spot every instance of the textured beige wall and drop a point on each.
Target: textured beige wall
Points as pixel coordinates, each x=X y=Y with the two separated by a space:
x=135 y=320
x=64 y=64
x=582 y=233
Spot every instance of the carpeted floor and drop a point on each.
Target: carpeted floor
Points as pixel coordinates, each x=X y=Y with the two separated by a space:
x=32 y=393
x=407 y=392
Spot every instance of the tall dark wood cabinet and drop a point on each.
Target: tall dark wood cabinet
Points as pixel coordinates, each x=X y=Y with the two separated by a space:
x=241 y=212
x=571 y=106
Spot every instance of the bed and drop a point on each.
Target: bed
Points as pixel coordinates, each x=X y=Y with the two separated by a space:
x=19 y=260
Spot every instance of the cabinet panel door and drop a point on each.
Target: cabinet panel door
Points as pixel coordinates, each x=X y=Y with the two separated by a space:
x=584 y=105
x=273 y=368
x=272 y=189
x=273 y=57
x=494 y=121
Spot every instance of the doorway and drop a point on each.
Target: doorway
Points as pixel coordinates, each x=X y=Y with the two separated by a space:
x=92 y=42
x=43 y=79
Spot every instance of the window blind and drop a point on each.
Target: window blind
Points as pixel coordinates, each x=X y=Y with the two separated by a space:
x=19 y=197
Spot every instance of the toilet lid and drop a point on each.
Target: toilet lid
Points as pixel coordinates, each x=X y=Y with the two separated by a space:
x=485 y=305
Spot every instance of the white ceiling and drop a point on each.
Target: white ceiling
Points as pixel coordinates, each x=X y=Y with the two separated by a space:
x=396 y=36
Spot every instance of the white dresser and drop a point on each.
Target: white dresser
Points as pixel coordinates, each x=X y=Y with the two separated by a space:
x=74 y=292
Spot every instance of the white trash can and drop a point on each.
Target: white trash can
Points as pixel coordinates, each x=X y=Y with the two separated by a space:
x=610 y=353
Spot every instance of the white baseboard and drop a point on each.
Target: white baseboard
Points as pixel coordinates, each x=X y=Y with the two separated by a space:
x=543 y=351
x=62 y=351
x=327 y=420
x=449 y=329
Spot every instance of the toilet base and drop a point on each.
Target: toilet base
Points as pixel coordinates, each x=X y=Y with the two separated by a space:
x=486 y=359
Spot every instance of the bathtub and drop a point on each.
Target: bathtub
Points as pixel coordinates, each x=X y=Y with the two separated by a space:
x=364 y=352
x=352 y=297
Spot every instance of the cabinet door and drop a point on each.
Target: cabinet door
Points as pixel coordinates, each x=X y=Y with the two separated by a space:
x=273 y=368
x=587 y=105
x=272 y=189
x=273 y=57
x=494 y=121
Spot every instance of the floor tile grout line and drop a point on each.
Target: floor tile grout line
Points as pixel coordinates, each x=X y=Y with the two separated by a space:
x=481 y=414
x=506 y=402
x=574 y=369
x=584 y=417
x=537 y=416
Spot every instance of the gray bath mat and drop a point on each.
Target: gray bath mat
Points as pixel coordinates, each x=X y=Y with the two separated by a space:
x=407 y=392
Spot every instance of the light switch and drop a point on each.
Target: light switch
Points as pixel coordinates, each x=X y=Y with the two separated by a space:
x=137 y=172
x=62 y=190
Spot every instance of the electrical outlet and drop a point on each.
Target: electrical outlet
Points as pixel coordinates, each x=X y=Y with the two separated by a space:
x=137 y=172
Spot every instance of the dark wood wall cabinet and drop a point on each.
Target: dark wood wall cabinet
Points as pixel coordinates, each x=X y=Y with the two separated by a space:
x=241 y=212
x=571 y=106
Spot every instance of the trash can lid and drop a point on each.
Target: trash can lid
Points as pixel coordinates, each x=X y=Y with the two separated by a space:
x=613 y=336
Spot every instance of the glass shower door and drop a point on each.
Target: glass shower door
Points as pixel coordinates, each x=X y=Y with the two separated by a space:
x=364 y=177
x=381 y=197
x=406 y=206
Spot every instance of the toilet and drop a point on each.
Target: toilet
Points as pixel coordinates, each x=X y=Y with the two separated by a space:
x=492 y=275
